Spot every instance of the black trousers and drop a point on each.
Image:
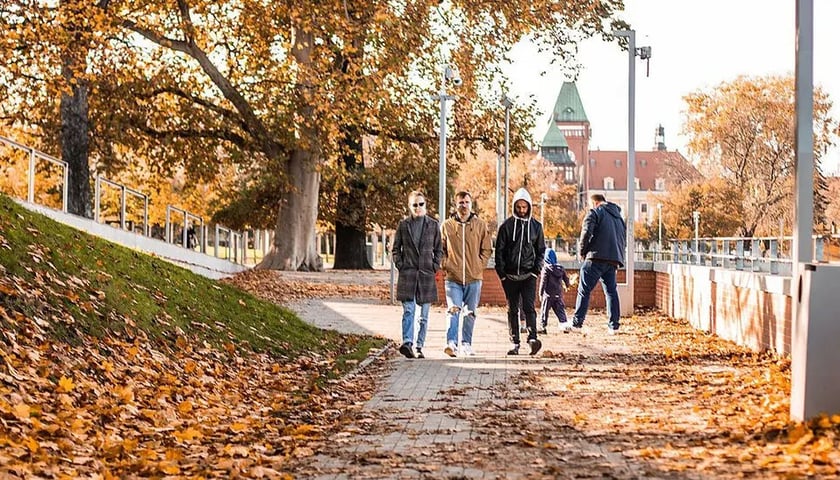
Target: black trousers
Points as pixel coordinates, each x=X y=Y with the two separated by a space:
x=521 y=293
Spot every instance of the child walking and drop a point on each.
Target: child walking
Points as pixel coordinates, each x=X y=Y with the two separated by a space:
x=552 y=279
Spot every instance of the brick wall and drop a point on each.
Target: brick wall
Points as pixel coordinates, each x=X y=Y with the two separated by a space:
x=492 y=294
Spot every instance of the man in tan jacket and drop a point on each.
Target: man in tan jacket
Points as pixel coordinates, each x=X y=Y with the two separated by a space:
x=466 y=251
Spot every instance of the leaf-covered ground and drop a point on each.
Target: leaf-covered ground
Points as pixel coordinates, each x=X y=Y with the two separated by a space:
x=661 y=400
x=114 y=364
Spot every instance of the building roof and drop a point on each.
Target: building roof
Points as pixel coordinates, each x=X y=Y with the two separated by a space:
x=554 y=137
x=670 y=166
x=568 y=108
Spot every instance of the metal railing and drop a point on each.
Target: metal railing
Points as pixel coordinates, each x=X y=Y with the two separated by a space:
x=124 y=191
x=34 y=155
x=755 y=254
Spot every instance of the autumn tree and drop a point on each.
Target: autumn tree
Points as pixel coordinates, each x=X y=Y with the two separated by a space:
x=743 y=131
x=719 y=202
x=291 y=90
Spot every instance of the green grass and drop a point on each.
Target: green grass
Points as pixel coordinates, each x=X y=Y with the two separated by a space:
x=100 y=288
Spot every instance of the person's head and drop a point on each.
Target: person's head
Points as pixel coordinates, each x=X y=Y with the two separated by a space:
x=463 y=203
x=522 y=203
x=550 y=256
x=417 y=203
x=597 y=199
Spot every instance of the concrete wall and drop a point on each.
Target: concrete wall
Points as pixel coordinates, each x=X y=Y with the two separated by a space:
x=199 y=263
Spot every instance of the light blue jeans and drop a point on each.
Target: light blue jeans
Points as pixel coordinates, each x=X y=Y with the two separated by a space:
x=460 y=298
x=409 y=307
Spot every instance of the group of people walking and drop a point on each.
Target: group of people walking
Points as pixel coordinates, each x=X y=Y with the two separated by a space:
x=462 y=246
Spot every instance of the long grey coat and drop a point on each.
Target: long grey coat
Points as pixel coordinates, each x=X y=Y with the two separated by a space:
x=417 y=260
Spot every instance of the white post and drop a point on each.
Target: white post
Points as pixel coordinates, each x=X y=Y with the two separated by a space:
x=626 y=290
x=659 y=211
x=30 y=195
x=508 y=104
x=442 y=170
x=808 y=387
x=696 y=216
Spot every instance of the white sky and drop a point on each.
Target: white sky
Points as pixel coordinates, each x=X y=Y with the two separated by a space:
x=697 y=44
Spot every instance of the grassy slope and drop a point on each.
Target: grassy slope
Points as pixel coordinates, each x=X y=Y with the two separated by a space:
x=92 y=286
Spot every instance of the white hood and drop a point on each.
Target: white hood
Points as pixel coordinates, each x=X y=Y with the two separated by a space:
x=522 y=194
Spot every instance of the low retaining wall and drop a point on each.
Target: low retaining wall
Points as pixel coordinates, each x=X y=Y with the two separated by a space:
x=749 y=308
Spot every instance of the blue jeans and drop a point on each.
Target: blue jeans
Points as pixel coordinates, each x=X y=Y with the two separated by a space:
x=461 y=298
x=408 y=322
x=590 y=273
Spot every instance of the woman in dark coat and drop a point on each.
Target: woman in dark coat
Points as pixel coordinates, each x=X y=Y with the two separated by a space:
x=417 y=253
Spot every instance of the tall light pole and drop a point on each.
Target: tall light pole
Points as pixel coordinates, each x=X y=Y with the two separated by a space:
x=543 y=198
x=696 y=216
x=659 y=213
x=449 y=75
x=628 y=299
x=507 y=103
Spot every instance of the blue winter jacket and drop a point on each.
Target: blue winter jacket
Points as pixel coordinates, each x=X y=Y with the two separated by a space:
x=604 y=234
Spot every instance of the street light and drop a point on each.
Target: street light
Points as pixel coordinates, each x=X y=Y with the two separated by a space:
x=507 y=103
x=696 y=216
x=659 y=211
x=543 y=198
x=644 y=53
x=449 y=75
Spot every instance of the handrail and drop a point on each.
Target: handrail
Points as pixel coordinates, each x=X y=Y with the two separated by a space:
x=97 y=202
x=33 y=155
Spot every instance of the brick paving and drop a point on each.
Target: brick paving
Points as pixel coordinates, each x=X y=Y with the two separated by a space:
x=424 y=407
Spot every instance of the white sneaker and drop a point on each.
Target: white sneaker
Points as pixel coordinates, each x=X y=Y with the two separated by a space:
x=612 y=331
x=451 y=349
x=467 y=350
x=566 y=327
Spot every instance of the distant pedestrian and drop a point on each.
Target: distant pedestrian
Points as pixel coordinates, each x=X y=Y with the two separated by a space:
x=552 y=280
x=520 y=247
x=603 y=239
x=416 y=254
x=466 y=251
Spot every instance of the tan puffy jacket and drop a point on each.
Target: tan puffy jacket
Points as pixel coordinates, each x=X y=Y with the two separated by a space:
x=466 y=248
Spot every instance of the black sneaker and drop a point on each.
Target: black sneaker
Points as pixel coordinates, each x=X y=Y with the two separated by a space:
x=419 y=353
x=536 y=345
x=405 y=349
x=514 y=350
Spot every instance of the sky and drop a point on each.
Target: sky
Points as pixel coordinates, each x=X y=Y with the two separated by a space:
x=696 y=45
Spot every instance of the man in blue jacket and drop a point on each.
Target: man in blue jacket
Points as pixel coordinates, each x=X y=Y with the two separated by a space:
x=520 y=247
x=603 y=239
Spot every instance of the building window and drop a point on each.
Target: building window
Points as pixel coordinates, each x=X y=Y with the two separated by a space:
x=637 y=183
x=609 y=183
x=660 y=184
x=643 y=163
x=570 y=174
x=617 y=162
x=643 y=207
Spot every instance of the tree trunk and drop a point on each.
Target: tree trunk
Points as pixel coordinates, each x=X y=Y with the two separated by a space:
x=350 y=223
x=75 y=127
x=294 y=236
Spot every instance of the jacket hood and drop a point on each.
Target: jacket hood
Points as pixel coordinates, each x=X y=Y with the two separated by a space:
x=550 y=256
x=613 y=209
x=522 y=194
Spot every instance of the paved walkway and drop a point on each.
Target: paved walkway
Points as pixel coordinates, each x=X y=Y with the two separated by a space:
x=430 y=408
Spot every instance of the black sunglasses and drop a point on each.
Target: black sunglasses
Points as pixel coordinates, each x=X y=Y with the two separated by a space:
x=421 y=204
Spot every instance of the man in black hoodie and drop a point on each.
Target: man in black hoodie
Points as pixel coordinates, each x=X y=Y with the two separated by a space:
x=603 y=239
x=520 y=247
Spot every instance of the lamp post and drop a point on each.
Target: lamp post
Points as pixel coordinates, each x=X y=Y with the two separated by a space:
x=449 y=75
x=543 y=198
x=659 y=213
x=696 y=216
x=644 y=53
x=507 y=103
